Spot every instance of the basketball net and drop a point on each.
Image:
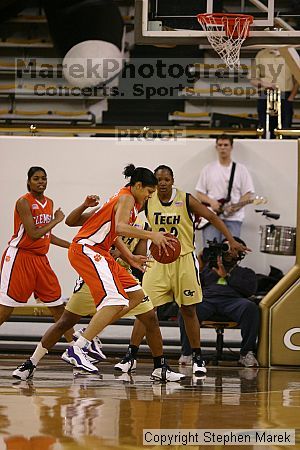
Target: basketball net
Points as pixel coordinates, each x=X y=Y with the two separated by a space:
x=226 y=34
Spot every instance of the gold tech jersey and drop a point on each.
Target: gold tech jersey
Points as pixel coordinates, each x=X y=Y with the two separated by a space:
x=173 y=217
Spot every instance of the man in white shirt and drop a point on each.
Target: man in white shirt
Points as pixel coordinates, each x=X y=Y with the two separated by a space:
x=212 y=189
x=271 y=71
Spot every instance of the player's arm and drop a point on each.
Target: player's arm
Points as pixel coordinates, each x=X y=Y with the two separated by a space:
x=141 y=248
x=123 y=249
x=31 y=229
x=122 y=215
x=77 y=217
x=137 y=261
x=200 y=210
x=139 y=254
x=59 y=242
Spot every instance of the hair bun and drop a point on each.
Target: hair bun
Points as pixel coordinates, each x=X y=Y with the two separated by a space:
x=129 y=170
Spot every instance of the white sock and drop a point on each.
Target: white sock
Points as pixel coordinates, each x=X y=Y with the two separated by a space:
x=83 y=343
x=38 y=354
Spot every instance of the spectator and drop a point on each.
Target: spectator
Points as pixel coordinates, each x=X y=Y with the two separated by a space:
x=272 y=72
x=213 y=190
x=226 y=290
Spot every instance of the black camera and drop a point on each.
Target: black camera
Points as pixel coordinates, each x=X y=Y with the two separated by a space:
x=213 y=251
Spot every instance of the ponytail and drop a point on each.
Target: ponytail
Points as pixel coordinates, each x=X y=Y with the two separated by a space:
x=142 y=174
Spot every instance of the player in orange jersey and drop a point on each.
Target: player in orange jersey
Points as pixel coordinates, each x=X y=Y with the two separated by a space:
x=114 y=290
x=25 y=268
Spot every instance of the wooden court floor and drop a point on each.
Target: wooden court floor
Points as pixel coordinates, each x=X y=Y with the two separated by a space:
x=64 y=410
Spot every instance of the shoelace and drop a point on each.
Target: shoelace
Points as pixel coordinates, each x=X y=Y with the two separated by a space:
x=22 y=367
x=26 y=365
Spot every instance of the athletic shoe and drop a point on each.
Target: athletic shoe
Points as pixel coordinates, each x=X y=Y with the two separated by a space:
x=199 y=368
x=25 y=371
x=166 y=374
x=248 y=360
x=78 y=358
x=92 y=360
x=185 y=360
x=127 y=364
x=94 y=350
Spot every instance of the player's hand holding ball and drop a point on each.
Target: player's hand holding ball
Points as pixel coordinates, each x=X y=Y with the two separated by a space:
x=167 y=252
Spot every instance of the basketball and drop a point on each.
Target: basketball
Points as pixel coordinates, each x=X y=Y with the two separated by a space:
x=163 y=258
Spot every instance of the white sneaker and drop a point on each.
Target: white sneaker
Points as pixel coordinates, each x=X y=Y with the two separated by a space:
x=25 y=371
x=199 y=368
x=127 y=364
x=185 y=360
x=165 y=374
x=248 y=360
x=94 y=351
x=77 y=357
x=91 y=360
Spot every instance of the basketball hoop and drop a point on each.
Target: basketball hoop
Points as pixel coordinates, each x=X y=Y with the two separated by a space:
x=226 y=33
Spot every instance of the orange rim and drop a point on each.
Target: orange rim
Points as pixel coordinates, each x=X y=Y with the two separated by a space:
x=229 y=21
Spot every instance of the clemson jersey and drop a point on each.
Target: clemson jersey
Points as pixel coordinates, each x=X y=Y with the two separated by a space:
x=42 y=213
x=99 y=231
x=140 y=223
x=173 y=217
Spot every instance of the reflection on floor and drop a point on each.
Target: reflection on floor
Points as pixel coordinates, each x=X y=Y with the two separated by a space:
x=62 y=410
